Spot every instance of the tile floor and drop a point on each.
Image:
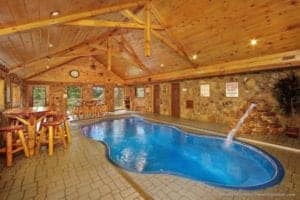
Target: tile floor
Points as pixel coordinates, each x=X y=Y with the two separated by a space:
x=83 y=172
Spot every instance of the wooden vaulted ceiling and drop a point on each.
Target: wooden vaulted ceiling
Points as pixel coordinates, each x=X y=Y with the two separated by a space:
x=216 y=31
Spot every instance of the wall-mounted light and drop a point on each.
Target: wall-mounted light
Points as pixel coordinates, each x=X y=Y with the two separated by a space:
x=54 y=13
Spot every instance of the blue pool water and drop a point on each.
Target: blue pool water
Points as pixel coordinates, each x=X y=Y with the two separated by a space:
x=141 y=146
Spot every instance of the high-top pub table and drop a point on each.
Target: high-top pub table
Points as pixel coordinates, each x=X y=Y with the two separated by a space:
x=29 y=116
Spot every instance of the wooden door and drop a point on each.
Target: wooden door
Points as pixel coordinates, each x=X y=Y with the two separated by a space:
x=175 y=100
x=156 y=99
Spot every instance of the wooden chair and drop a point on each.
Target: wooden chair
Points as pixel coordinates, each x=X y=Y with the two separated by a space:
x=15 y=142
x=50 y=134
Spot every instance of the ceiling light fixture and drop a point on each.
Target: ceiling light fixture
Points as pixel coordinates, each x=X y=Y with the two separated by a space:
x=54 y=13
x=253 y=42
x=47 y=67
x=50 y=45
x=194 y=56
x=162 y=65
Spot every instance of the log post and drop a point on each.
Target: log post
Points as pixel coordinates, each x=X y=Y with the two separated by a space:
x=147 y=13
x=109 y=54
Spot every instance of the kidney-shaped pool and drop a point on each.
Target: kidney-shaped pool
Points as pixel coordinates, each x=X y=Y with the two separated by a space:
x=141 y=146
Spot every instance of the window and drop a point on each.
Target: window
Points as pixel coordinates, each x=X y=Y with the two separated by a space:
x=74 y=95
x=2 y=96
x=98 y=93
x=140 y=92
x=39 y=96
x=16 y=95
x=119 y=98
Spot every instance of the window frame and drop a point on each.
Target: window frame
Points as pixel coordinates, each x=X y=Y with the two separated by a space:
x=136 y=91
x=80 y=98
x=32 y=96
x=99 y=99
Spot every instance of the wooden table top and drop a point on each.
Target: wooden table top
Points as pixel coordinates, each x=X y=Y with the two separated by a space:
x=27 y=110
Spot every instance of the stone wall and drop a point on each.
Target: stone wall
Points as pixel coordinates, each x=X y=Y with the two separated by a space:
x=165 y=98
x=143 y=104
x=253 y=87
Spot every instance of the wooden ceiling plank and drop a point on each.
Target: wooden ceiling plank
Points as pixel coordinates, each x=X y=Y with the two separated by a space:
x=69 y=49
x=126 y=45
x=269 y=62
x=105 y=68
x=14 y=49
x=179 y=45
x=51 y=68
x=68 y=18
x=112 y=24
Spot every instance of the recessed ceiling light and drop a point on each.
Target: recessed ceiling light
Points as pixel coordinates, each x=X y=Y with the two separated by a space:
x=253 y=42
x=50 y=45
x=54 y=13
x=162 y=65
x=47 y=66
x=194 y=56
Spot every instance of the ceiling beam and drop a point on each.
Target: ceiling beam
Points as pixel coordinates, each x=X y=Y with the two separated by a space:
x=112 y=24
x=51 y=68
x=109 y=54
x=160 y=37
x=117 y=52
x=69 y=18
x=147 y=32
x=78 y=55
x=171 y=35
x=269 y=62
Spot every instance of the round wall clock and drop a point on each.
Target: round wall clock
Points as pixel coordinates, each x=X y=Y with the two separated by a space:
x=74 y=73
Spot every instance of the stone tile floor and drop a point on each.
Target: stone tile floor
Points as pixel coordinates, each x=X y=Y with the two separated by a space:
x=83 y=172
x=79 y=172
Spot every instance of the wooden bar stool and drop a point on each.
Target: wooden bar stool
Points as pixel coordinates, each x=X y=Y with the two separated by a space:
x=64 y=119
x=67 y=129
x=51 y=133
x=66 y=126
x=15 y=142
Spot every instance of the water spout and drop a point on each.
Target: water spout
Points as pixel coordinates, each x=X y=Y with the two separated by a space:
x=233 y=131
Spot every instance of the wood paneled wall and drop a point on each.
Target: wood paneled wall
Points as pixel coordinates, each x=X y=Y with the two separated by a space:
x=56 y=91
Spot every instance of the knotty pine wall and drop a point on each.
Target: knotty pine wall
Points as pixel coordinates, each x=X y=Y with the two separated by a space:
x=14 y=98
x=57 y=91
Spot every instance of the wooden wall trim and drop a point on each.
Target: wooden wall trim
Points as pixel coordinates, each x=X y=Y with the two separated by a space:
x=68 y=83
x=269 y=62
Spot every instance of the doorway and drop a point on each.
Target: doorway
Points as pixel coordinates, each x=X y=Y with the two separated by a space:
x=175 y=100
x=156 y=103
x=118 y=98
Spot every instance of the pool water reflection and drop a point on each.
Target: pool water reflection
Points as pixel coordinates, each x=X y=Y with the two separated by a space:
x=141 y=146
